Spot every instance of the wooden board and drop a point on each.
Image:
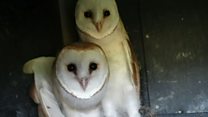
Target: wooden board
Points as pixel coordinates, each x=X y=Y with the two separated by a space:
x=176 y=45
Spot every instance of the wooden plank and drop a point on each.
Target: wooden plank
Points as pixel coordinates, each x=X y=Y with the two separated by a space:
x=176 y=44
x=184 y=115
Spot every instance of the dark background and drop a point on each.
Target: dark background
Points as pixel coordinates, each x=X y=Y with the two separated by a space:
x=169 y=36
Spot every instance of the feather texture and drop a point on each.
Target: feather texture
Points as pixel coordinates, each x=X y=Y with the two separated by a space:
x=42 y=92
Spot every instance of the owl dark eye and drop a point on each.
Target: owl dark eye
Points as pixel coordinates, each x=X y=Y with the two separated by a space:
x=88 y=14
x=92 y=67
x=71 y=67
x=106 y=13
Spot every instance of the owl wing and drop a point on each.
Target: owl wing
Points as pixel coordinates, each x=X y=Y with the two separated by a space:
x=41 y=91
x=50 y=105
x=131 y=59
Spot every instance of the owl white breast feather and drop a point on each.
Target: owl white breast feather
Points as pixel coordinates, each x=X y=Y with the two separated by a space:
x=98 y=22
x=71 y=85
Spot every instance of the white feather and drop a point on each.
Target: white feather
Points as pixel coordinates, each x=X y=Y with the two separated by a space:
x=42 y=69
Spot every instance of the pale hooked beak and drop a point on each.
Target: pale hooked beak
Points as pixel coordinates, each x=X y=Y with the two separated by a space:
x=84 y=82
x=99 y=26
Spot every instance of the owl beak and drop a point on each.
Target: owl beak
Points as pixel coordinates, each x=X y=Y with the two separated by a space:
x=99 y=26
x=84 y=82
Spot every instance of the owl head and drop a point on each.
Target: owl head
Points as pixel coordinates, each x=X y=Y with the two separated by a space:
x=96 y=18
x=82 y=70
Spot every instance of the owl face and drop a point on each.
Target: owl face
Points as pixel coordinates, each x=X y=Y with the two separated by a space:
x=82 y=69
x=97 y=18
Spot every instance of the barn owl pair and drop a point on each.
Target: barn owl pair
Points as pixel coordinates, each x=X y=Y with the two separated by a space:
x=84 y=87
x=98 y=22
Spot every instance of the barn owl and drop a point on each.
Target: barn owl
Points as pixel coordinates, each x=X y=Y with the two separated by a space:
x=98 y=22
x=72 y=84
x=81 y=79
